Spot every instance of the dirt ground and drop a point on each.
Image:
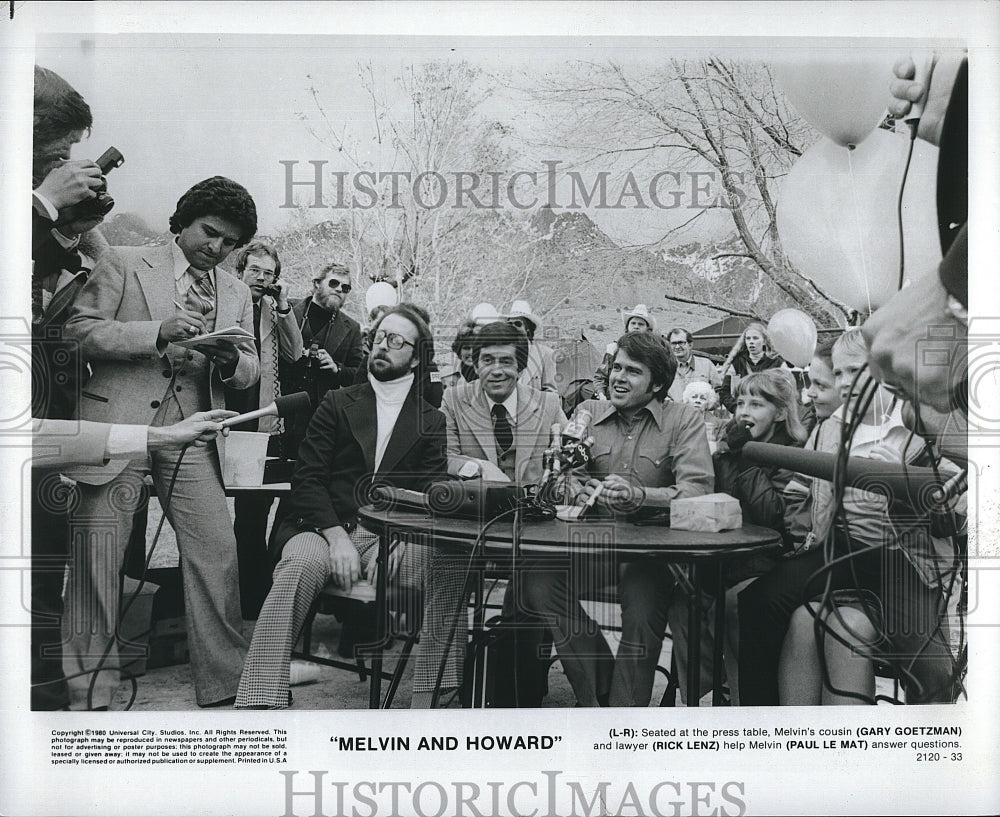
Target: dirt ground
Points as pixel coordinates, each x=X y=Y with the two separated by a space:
x=171 y=688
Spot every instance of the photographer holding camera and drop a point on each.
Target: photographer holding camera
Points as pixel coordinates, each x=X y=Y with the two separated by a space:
x=64 y=248
x=278 y=338
x=332 y=343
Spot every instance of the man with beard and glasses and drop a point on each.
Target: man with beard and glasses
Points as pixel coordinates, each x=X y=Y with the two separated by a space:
x=332 y=347
x=380 y=430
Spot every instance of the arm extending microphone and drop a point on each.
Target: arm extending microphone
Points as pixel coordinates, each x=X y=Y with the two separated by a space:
x=918 y=487
x=281 y=407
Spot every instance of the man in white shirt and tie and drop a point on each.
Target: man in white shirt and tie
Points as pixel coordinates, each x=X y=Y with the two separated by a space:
x=137 y=302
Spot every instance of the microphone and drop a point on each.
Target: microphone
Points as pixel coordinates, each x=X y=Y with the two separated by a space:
x=576 y=429
x=923 y=65
x=916 y=486
x=281 y=407
x=550 y=460
x=576 y=444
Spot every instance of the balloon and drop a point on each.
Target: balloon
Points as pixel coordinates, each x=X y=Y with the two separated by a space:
x=837 y=217
x=793 y=336
x=381 y=293
x=843 y=96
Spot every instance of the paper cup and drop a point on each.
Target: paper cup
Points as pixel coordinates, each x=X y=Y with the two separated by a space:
x=246 y=452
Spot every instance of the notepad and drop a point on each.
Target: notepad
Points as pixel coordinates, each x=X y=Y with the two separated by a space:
x=213 y=340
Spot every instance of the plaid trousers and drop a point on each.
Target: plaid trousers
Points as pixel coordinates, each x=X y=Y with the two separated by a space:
x=304 y=569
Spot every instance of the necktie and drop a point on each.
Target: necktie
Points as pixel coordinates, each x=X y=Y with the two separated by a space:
x=502 y=431
x=201 y=296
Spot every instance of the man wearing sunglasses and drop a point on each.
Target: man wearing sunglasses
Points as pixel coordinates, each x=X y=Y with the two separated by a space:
x=331 y=341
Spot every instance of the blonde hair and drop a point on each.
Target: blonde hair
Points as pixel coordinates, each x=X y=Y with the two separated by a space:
x=852 y=342
x=762 y=330
x=777 y=386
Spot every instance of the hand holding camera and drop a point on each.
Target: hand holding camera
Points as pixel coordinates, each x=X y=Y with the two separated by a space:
x=72 y=182
x=96 y=204
x=322 y=358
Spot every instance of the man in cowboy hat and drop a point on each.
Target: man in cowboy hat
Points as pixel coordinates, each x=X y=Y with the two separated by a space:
x=540 y=373
x=636 y=320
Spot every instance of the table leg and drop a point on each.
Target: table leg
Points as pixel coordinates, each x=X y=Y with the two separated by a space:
x=720 y=637
x=694 y=639
x=478 y=626
x=381 y=622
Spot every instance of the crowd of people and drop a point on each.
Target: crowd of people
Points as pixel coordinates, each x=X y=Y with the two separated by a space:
x=862 y=580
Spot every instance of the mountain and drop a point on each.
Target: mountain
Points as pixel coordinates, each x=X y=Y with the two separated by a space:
x=600 y=279
x=129 y=230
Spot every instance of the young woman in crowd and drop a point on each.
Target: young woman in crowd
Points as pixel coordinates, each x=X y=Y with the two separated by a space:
x=751 y=353
x=767 y=410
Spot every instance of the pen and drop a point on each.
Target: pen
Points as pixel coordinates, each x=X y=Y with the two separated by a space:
x=593 y=497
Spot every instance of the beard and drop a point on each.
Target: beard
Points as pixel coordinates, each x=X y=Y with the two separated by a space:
x=384 y=370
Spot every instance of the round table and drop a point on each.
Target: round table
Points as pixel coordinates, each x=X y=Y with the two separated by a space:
x=595 y=537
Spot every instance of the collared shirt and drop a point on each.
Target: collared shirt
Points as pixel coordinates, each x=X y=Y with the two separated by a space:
x=697 y=369
x=664 y=450
x=183 y=277
x=510 y=404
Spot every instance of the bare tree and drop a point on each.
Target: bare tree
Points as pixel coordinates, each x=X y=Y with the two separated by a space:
x=431 y=136
x=712 y=115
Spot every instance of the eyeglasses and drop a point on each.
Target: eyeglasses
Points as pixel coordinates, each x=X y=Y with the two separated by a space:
x=257 y=271
x=680 y=343
x=517 y=322
x=339 y=286
x=392 y=340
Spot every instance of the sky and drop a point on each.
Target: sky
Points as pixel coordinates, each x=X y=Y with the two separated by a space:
x=184 y=107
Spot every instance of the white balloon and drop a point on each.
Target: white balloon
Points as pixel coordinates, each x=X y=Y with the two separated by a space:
x=843 y=95
x=793 y=336
x=381 y=293
x=837 y=217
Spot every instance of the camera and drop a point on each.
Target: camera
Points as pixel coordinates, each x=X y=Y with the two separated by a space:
x=100 y=206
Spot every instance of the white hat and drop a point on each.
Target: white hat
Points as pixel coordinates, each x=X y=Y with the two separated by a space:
x=640 y=311
x=381 y=293
x=484 y=313
x=522 y=309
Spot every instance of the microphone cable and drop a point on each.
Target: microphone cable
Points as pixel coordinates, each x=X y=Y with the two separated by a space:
x=132 y=598
x=463 y=603
x=828 y=602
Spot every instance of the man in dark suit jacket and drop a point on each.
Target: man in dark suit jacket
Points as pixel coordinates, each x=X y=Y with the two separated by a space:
x=137 y=303
x=332 y=346
x=378 y=430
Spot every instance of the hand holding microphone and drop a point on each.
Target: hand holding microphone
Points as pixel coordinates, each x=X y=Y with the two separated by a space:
x=737 y=435
x=921 y=90
x=282 y=407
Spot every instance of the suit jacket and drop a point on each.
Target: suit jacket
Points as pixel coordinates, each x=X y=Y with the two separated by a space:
x=336 y=463
x=58 y=443
x=470 y=428
x=116 y=319
x=280 y=342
